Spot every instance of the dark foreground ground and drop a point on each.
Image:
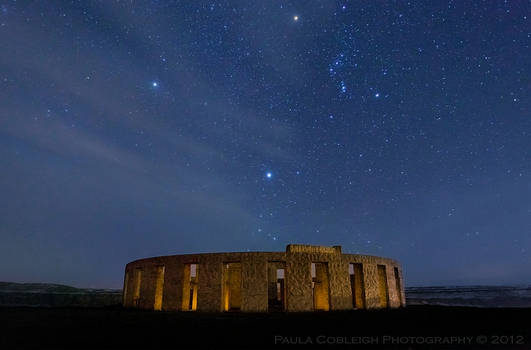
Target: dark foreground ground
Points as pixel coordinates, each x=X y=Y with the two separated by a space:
x=415 y=327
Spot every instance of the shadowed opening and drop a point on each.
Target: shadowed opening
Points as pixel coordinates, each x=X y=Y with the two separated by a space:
x=398 y=286
x=357 y=285
x=232 y=281
x=320 y=287
x=382 y=286
x=159 y=287
x=137 y=284
x=190 y=275
x=276 y=290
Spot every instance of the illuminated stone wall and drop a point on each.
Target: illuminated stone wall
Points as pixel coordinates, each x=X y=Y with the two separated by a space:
x=297 y=260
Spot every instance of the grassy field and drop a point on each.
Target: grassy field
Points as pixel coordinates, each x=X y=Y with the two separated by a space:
x=416 y=327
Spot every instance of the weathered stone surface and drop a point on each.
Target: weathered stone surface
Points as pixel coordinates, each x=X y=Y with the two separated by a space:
x=173 y=282
x=253 y=280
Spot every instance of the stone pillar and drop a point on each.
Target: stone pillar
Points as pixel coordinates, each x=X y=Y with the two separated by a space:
x=172 y=285
x=209 y=284
x=254 y=283
x=372 y=296
x=299 y=283
x=340 y=294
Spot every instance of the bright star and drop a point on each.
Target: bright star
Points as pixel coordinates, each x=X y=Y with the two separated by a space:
x=269 y=175
x=295 y=18
x=377 y=95
x=155 y=84
x=343 y=87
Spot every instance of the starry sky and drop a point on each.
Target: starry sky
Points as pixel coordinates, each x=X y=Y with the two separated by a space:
x=131 y=129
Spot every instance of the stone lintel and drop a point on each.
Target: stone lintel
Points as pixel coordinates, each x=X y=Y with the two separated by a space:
x=306 y=248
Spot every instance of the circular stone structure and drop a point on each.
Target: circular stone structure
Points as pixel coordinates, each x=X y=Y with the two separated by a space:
x=303 y=278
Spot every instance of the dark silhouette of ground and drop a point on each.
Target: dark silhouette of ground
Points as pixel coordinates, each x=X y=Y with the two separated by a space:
x=415 y=327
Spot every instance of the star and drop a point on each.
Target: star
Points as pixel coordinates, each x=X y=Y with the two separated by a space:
x=377 y=95
x=295 y=18
x=269 y=175
x=154 y=84
x=343 y=87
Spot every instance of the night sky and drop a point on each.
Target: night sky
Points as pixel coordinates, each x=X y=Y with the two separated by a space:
x=131 y=129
